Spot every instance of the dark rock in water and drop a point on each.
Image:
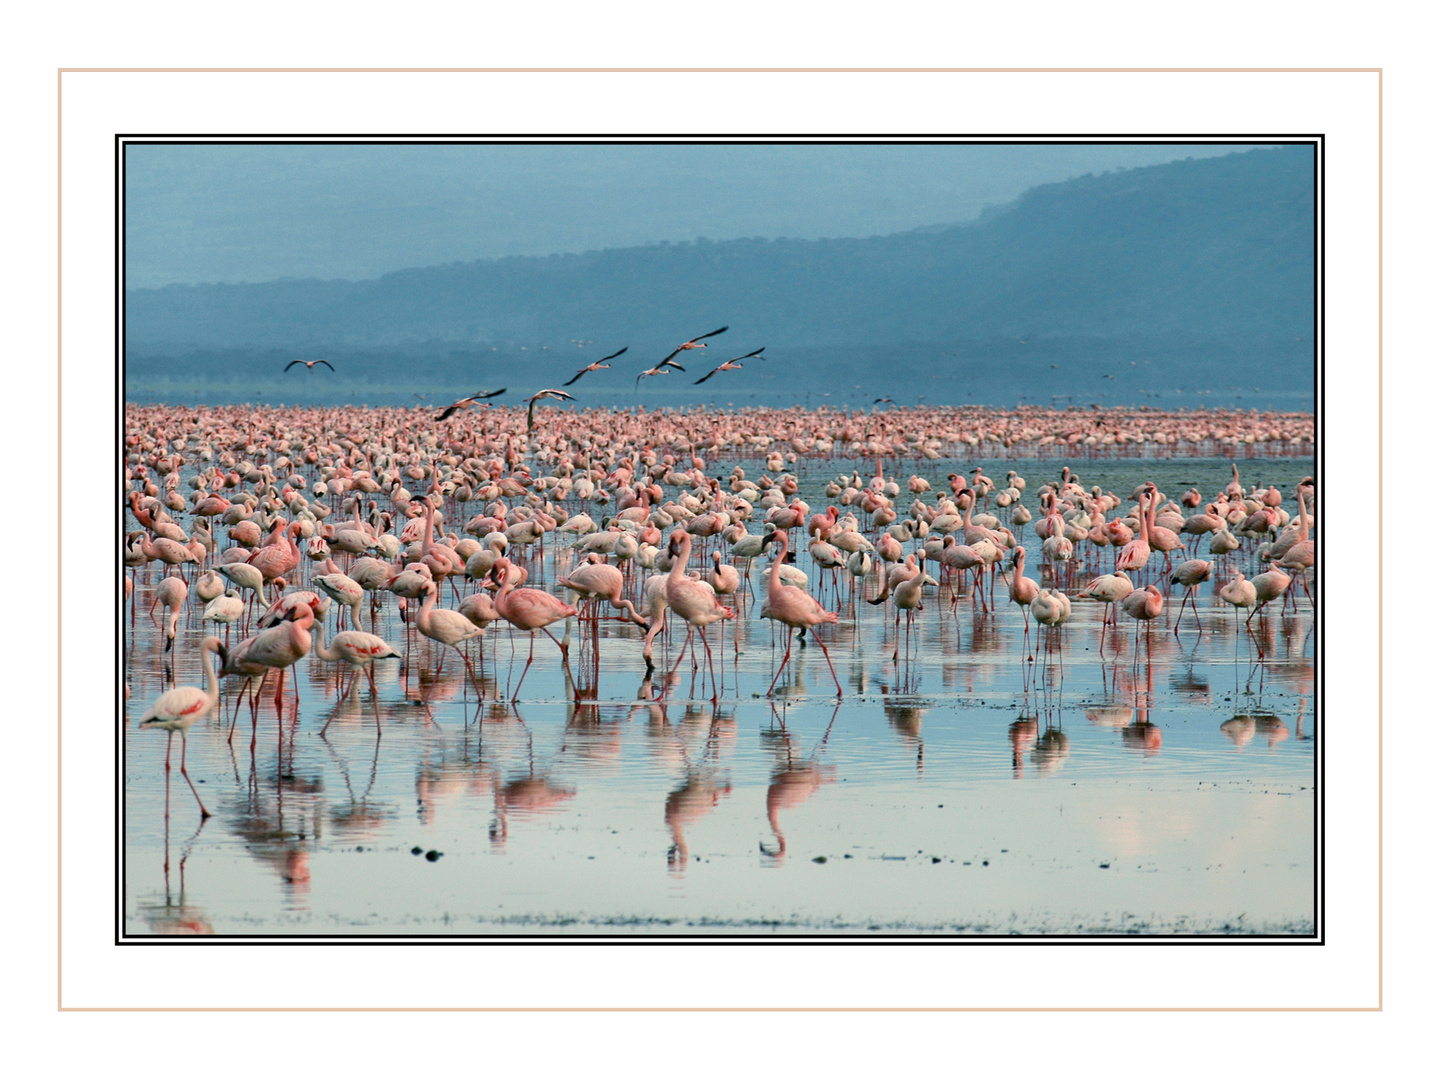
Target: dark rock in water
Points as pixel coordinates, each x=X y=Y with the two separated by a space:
x=820 y=859
x=417 y=850
x=1104 y=866
x=432 y=855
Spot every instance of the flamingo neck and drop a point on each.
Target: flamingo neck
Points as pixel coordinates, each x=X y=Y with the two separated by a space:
x=773 y=586
x=682 y=560
x=212 y=681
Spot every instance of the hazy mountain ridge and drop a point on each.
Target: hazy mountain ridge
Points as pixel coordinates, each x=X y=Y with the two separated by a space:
x=1219 y=248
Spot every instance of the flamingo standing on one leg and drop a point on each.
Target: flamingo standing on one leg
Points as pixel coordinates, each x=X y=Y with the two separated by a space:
x=178 y=709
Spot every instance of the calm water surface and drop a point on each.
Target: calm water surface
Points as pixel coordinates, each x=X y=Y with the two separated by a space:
x=956 y=788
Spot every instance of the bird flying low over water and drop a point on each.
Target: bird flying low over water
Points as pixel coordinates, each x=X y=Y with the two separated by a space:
x=533 y=401
x=730 y=365
x=598 y=365
x=658 y=369
x=309 y=364
x=466 y=402
x=693 y=343
x=878 y=400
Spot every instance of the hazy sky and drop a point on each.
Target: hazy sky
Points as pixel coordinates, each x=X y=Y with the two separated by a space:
x=255 y=213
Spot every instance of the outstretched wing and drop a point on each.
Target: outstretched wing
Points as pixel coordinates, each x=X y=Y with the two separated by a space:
x=292 y=363
x=326 y=363
x=613 y=355
x=712 y=333
x=671 y=363
x=582 y=371
x=669 y=358
x=451 y=411
x=748 y=355
x=704 y=377
x=492 y=393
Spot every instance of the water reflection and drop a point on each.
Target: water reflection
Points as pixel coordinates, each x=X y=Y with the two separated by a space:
x=795 y=779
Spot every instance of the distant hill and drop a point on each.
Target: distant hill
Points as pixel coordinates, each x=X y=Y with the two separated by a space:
x=1213 y=250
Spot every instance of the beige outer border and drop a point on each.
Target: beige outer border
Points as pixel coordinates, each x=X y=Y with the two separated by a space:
x=1379 y=1005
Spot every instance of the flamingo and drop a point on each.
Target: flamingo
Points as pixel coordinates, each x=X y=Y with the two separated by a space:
x=178 y=709
x=598 y=365
x=1144 y=605
x=1268 y=586
x=693 y=343
x=274 y=649
x=358 y=650
x=795 y=608
x=225 y=610
x=694 y=601
x=1190 y=574
x=1023 y=590
x=529 y=610
x=171 y=594
x=1136 y=553
x=730 y=365
x=465 y=402
x=309 y=364
x=445 y=626
x=343 y=590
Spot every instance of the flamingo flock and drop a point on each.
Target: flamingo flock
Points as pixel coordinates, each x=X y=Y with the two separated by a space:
x=461 y=525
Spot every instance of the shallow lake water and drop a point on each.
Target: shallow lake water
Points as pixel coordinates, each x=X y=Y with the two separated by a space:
x=956 y=788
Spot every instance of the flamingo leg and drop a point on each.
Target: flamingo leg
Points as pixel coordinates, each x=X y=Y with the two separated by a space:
x=789 y=641
x=516 y=695
x=184 y=741
x=838 y=692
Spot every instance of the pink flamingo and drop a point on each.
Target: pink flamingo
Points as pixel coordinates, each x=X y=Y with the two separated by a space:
x=693 y=600
x=171 y=593
x=445 y=626
x=178 y=709
x=1136 y=553
x=796 y=608
x=274 y=649
x=358 y=650
x=1023 y=590
x=1190 y=574
x=529 y=610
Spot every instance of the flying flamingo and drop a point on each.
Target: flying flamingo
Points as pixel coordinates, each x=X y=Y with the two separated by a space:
x=309 y=364
x=178 y=709
x=598 y=365
x=693 y=343
x=730 y=365
x=529 y=610
x=795 y=608
x=465 y=402
x=559 y=395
